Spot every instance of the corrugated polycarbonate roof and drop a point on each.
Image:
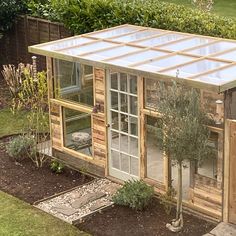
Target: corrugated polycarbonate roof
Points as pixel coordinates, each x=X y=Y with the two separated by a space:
x=200 y=60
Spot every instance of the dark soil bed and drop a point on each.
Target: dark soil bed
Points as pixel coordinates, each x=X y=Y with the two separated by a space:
x=118 y=221
x=29 y=183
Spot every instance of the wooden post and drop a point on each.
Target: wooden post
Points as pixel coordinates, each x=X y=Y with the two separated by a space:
x=142 y=137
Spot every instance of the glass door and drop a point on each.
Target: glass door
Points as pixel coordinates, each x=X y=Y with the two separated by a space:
x=123 y=126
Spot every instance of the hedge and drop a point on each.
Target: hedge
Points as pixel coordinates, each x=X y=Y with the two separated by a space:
x=82 y=16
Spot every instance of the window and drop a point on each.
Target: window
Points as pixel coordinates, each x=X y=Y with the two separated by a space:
x=73 y=82
x=208 y=167
x=155 y=162
x=77 y=131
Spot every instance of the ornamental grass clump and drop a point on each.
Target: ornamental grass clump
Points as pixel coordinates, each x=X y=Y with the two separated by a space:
x=135 y=194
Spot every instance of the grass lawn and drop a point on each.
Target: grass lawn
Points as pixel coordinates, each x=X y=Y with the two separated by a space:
x=18 y=218
x=11 y=124
x=221 y=7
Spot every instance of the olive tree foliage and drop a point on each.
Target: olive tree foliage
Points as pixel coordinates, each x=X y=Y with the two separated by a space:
x=204 y=5
x=9 y=10
x=185 y=134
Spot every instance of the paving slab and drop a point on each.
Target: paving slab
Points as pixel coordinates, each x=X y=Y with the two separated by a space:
x=87 y=198
x=224 y=229
x=66 y=210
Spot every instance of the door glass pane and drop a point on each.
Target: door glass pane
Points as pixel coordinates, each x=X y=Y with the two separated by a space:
x=123 y=102
x=133 y=84
x=124 y=123
x=124 y=143
x=133 y=121
x=134 y=166
x=133 y=146
x=133 y=105
x=123 y=82
x=115 y=120
x=115 y=159
x=115 y=140
x=114 y=100
x=124 y=159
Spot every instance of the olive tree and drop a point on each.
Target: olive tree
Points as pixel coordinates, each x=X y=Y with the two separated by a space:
x=185 y=134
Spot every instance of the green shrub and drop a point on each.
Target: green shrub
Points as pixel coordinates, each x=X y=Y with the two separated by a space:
x=135 y=193
x=21 y=147
x=82 y=16
x=56 y=166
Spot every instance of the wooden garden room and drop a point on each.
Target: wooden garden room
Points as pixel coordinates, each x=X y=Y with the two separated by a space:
x=104 y=108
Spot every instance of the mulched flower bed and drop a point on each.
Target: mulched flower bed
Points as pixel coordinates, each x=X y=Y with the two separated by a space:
x=29 y=183
x=120 y=220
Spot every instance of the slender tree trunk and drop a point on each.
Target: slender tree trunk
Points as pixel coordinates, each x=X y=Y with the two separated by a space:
x=179 y=214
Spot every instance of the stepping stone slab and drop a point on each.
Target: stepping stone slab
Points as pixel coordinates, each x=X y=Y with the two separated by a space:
x=112 y=188
x=65 y=210
x=86 y=199
x=97 y=206
x=224 y=229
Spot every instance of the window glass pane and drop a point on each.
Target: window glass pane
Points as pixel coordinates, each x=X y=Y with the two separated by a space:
x=115 y=140
x=155 y=162
x=133 y=148
x=114 y=32
x=137 y=57
x=72 y=84
x=123 y=102
x=157 y=65
x=77 y=131
x=115 y=159
x=114 y=100
x=151 y=93
x=194 y=68
x=134 y=166
x=133 y=105
x=70 y=42
x=228 y=56
x=160 y=40
x=114 y=52
x=124 y=159
x=188 y=43
x=124 y=143
x=208 y=167
x=137 y=36
x=124 y=123
x=133 y=121
x=133 y=84
x=114 y=81
x=115 y=120
x=213 y=48
x=123 y=82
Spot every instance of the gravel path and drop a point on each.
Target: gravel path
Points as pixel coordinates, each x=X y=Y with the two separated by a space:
x=84 y=200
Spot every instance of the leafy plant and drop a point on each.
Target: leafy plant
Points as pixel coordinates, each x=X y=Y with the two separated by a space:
x=204 y=5
x=21 y=147
x=57 y=166
x=167 y=198
x=9 y=10
x=134 y=193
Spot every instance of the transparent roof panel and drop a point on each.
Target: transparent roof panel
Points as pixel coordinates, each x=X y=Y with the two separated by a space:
x=114 y=52
x=194 y=68
x=213 y=48
x=137 y=35
x=88 y=48
x=70 y=42
x=138 y=57
x=228 y=56
x=160 y=64
x=114 y=32
x=188 y=43
x=220 y=77
x=160 y=40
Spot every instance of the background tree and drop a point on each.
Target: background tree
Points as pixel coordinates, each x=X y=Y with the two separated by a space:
x=185 y=134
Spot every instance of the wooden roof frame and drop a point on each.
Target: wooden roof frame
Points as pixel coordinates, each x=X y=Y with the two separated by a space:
x=132 y=67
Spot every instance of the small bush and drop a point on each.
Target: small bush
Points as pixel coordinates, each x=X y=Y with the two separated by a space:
x=134 y=194
x=56 y=166
x=21 y=146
